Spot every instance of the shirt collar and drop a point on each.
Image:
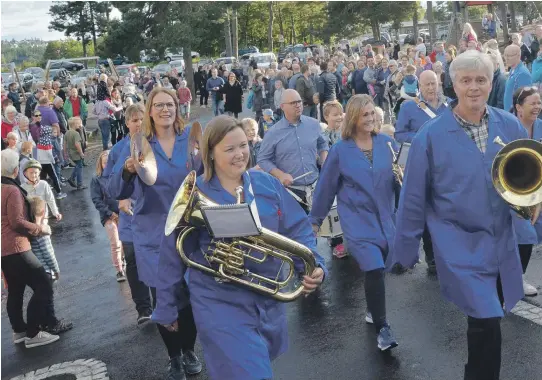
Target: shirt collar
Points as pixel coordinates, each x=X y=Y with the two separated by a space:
x=464 y=122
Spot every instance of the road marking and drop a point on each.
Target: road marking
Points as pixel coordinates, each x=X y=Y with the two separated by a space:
x=529 y=311
x=88 y=369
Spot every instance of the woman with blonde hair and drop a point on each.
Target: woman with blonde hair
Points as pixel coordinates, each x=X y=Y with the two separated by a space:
x=468 y=33
x=169 y=141
x=359 y=172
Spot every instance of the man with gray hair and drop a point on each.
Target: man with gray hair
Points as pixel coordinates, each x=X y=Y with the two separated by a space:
x=448 y=188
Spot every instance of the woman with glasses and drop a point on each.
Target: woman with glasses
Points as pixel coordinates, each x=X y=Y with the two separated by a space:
x=358 y=172
x=168 y=138
x=527 y=106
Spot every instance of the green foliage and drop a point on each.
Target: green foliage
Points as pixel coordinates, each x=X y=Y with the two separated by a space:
x=68 y=48
x=24 y=51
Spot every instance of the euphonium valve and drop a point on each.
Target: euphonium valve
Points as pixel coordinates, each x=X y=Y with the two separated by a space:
x=516 y=173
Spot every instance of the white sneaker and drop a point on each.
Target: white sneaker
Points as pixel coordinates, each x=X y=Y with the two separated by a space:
x=41 y=339
x=528 y=289
x=369 y=318
x=19 y=337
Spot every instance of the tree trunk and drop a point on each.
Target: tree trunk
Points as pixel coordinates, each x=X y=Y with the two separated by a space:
x=189 y=70
x=281 y=24
x=270 y=27
x=431 y=20
x=504 y=21
x=294 y=37
x=84 y=42
x=93 y=26
x=235 y=34
x=246 y=24
x=311 y=33
x=415 y=22
x=513 y=16
x=227 y=33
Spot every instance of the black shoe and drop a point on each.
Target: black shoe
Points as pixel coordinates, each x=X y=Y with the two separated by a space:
x=175 y=369
x=72 y=182
x=398 y=269
x=432 y=269
x=82 y=187
x=144 y=317
x=192 y=365
x=60 y=327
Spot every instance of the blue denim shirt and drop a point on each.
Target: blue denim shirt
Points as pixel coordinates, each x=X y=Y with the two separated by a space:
x=293 y=149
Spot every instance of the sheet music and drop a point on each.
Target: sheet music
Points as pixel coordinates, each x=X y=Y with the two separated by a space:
x=229 y=221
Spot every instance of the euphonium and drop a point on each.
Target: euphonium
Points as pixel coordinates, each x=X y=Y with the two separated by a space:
x=516 y=173
x=185 y=212
x=397 y=170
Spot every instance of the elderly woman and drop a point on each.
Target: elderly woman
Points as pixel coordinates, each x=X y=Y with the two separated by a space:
x=391 y=90
x=446 y=190
x=20 y=266
x=169 y=140
x=23 y=133
x=241 y=343
x=9 y=120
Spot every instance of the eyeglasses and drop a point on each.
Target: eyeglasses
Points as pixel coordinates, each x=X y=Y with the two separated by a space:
x=295 y=103
x=160 y=106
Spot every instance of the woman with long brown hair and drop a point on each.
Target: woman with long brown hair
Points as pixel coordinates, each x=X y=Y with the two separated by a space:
x=167 y=135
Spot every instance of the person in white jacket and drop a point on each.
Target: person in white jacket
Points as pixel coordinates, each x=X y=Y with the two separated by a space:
x=23 y=133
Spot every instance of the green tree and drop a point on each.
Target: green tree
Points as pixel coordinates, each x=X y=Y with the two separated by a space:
x=72 y=19
x=68 y=48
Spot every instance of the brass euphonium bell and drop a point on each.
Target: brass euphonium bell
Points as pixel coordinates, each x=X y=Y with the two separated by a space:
x=516 y=173
x=230 y=255
x=145 y=162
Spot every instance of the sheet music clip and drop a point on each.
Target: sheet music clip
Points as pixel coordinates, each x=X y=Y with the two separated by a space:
x=230 y=221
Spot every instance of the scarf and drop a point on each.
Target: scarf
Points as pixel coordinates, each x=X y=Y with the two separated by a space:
x=14 y=182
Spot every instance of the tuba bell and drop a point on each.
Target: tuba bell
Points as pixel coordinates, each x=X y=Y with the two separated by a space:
x=230 y=256
x=516 y=173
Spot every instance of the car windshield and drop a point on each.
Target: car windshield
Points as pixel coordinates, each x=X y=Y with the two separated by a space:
x=85 y=73
x=263 y=59
x=36 y=71
x=6 y=77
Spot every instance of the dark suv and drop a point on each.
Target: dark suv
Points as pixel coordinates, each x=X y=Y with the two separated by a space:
x=68 y=65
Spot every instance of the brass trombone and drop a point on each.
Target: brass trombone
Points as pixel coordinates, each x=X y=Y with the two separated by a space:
x=230 y=256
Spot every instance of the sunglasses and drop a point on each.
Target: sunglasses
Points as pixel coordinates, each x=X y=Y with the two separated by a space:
x=37 y=114
x=527 y=88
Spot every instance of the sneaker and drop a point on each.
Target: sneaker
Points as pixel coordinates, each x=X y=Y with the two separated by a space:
x=369 y=318
x=19 y=337
x=61 y=195
x=339 y=251
x=386 y=340
x=72 y=183
x=41 y=339
x=60 y=327
x=121 y=277
x=144 y=317
x=398 y=269
x=192 y=365
x=175 y=369
x=528 y=289
x=431 y=269
x=82 y=187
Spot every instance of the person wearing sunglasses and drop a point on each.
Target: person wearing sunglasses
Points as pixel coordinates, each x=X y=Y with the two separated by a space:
x=289 y=149
x=526 y=107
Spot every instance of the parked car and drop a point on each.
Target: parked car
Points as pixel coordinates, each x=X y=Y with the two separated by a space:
x=410 y=40
x=61 y=75
x=248 y=50
x=228 y=61
x=68 y=65
x=178 y=65
x=263 y=60
x=176 y=55
x=37 y=72
x=284 y=52
x=302 y=52
x=26 y=80
x=149 y=56
x=82 y=76
x=374 y=42
x=118 y=60
x=124 y=69
x=162 y=69
x=143 y=69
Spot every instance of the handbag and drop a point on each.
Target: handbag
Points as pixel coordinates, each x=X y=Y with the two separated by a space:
x=250 y=99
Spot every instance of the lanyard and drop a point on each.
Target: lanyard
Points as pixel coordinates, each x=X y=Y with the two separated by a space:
x=253 y=206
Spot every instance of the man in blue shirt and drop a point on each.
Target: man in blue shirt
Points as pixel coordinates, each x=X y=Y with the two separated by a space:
x=213 y=86
x=519 y=74
x=289 y=149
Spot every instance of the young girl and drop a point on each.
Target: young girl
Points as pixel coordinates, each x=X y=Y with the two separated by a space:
x=334 y=114
x=185 y=98
x=254 y=140
x=109 y=214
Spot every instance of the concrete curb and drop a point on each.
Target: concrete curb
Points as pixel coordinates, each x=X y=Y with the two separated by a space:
x=82 y=369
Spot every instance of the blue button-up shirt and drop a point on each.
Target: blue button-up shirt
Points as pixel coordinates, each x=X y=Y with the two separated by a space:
x=293 y=149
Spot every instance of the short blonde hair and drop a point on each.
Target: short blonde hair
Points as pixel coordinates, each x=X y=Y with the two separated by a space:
x=387 y=129
x=10 y=109
x=148 y=128
x=353 y=113
x=99 y=168
x=74 y=121
x=133 y=110
x=328 y=106
x=26 y=147
x=249 y=122
x=37 y=205
x=214 y=133
x=12 y=135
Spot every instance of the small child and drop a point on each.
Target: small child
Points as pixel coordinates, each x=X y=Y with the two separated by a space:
x=266 y=121
x=185 y=97
x=72 y=145
x=254 y=140
x=388 y=129
x=410 y=81
x=12 y=140
x=24 y=157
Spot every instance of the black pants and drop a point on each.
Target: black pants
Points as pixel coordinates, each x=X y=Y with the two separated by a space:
x=116 y=134
x=525 y=251
x=301 y=194
x=203 y=96
x=484 y=345
x=51 y=319
x=428 y=247
x=49 y=170
x=22 y=270
x=185 y=338
x=375 y=295
x=140 y=291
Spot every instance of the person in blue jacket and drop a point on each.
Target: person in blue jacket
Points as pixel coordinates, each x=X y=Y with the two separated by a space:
x=519 y=74
x=240 y=331
x=448 y=187
x=140 y=292
x=168 y=138
x=526 y=107
x=358 y=171
x=412 y=116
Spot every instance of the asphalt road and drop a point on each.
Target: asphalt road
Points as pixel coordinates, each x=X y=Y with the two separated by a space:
x=328 y=336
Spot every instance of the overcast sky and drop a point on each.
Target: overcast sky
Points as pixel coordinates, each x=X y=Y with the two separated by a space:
x=30 y=19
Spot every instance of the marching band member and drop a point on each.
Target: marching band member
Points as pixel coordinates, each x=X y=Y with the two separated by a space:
x=290 y=148
x=241 y=331
x=358 y=171
x=168 y=138
x=448 y=186
x=138 y=289
x=412 y=115
x=526 y=106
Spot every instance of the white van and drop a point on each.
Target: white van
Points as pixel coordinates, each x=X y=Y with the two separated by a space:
x=178 y=65
x=263 y=60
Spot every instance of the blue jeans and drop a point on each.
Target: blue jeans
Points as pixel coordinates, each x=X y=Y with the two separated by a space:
x=77 y=173
x=105 y=127
x=57 y=170
x=218 y=105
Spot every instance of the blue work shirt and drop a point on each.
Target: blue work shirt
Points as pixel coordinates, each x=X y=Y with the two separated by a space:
x=448 y=187
x=519 y=77
x=411 y=118
x=293 y=149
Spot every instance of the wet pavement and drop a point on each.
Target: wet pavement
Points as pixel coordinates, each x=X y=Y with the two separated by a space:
x=328 y=336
